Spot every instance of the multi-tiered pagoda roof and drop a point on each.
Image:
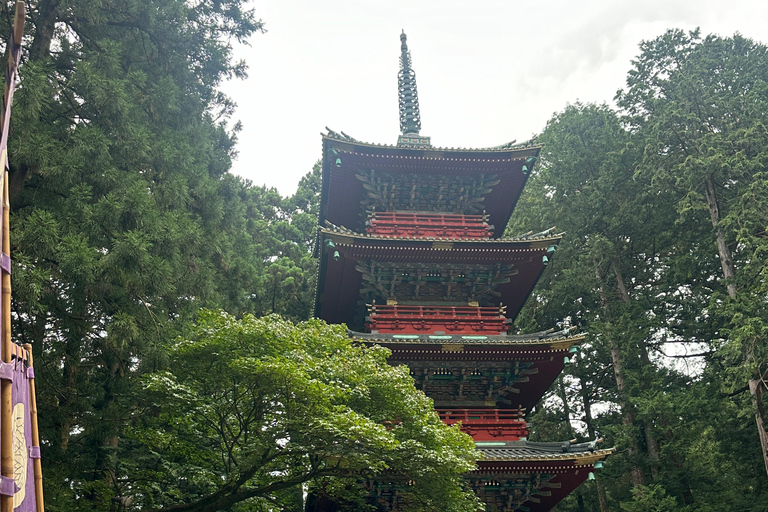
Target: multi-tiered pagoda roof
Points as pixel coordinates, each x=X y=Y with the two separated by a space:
x=412 y=257
x=358 y=176
x=490 y=270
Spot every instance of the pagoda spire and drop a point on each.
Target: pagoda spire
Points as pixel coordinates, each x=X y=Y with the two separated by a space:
x=410 y=118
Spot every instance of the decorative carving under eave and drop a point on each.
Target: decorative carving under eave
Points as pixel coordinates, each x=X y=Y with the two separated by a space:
x=425 y=193
x=431 y=283
x=412 y=141
x=507 y=492
x=470 y=383
x=511 y=492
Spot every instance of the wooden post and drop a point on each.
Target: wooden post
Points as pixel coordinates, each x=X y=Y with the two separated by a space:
x=38 y=467
x=6 y=386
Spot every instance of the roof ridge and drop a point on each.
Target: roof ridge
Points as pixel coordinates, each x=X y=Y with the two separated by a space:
x=503 y=148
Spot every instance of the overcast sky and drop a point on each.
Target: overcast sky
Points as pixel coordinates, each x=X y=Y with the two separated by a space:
x=488 y=71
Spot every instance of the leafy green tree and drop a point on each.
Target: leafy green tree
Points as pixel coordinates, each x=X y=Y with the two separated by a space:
x=288 y=285
x=651 y=498
x=656 y=206
x=700 y=105
x=251 y=408
x=125 y=220
x=587 y=185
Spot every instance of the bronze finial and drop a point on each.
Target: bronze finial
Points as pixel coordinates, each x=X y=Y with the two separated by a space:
x=410 y=118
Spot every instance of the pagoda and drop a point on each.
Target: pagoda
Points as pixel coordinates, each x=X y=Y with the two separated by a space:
x=412 y=258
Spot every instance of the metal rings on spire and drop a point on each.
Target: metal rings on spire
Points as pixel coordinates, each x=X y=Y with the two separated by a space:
x=410 y=117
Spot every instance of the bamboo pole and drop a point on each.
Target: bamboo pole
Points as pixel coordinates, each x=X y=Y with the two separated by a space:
x=38 y=466
x=6 y=387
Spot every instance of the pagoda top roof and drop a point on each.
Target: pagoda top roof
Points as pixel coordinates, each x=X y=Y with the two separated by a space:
x=520 y=149
x=583 y=454
x=500 y=172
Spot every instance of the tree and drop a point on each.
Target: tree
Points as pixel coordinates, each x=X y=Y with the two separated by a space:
x=252 y=408
x=656 y=205
x=125 y=219
x=288 y=230
x=700 y=105
x=587 y=186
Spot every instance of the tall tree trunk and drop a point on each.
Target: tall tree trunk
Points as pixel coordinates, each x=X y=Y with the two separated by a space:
x=566 y=407
x=726 y=260
x=587 y=409
x=45 y=25
x=650 y=441
x=105 y=467
x=653 y=449
x=71 y=371
x=602 y=497
x=729 y=273
x=628 y=418
x=45 y=15
x=756 y=390
x=683 y=479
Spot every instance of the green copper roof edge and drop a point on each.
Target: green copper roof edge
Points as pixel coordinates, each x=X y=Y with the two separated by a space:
x=458 y=339
x=580 y=458
x=521 y=148
x=342 y=231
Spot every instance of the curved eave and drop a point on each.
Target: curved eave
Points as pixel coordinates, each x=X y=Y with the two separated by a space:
x=345 y=235
x=501 y=250
x=550 y=343
x=565 y=471
x=520 y=149
x=547 y=359
x=588 y=458
x=339 y=281
x=342 y=192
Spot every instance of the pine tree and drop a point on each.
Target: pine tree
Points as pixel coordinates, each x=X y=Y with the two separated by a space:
x=125 y=220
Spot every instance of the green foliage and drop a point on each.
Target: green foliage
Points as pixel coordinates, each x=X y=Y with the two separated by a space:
x=651 y=498
x=251 y=407
x=126 y=221
x=653 y=203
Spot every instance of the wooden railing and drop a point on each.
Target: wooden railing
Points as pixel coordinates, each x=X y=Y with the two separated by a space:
x=431 y=319
x=470 y=416
x=488 y=424
x=442 y=312
x=426 y=225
